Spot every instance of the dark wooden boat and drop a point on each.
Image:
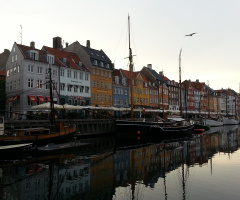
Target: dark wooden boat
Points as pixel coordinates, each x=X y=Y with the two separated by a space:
x=40 y=135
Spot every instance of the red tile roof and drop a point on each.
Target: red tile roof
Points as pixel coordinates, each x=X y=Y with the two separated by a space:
x=72 y=59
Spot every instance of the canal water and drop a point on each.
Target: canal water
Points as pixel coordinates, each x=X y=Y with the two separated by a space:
x=205 y=166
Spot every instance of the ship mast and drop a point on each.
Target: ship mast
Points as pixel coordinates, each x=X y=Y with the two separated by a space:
x=180 y=82
x=130 y=69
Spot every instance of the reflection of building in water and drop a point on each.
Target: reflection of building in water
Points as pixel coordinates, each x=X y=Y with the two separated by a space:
x=46 y=181
x=99 y=175
x=121 y=160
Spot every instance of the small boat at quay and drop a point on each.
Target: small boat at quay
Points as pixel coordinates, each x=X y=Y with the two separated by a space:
x=38 y=136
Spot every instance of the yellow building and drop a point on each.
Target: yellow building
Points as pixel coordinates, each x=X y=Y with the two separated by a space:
x=101 y=69
x=141 y=94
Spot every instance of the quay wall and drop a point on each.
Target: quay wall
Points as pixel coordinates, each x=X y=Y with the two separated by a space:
x=85 y=127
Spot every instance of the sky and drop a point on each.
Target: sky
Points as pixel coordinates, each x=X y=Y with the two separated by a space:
x=158 y=29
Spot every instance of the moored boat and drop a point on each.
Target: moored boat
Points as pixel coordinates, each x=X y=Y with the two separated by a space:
x=40 y=135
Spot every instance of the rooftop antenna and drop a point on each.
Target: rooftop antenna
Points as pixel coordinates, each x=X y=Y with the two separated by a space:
x=21 y=33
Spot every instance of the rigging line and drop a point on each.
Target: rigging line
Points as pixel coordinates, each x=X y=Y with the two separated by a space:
x=119 y=40
x=131 y=31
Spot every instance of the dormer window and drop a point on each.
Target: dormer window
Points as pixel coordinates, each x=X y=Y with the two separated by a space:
x=80 y=64
x=50 y=59
x=116 y=79
x=64 y=60
x=107 y=65
x=145 y=84
x=124 y=81
x=34 y=55
x=95 y=62
x=101 y=64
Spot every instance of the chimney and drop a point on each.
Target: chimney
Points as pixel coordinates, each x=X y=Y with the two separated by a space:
x=149 y=66
x=161 y=73
x=32 y=45
x=66 y=44
x=57 y=43
x=197 y=80
x=88 y=44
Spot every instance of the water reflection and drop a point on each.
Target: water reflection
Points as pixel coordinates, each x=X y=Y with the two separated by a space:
x=113 y=169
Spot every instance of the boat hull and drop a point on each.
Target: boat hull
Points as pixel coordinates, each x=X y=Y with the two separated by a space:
x=37 y=136
x=152 y=129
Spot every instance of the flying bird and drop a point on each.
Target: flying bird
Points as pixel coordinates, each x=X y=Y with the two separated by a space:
x=191 y=34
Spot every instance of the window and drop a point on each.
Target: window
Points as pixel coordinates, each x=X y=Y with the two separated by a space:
x=69 y=73
x=81 y=89
x=110 y=98
x=98 y=72
x=105 y=85
x=39 y=70
x=18 y=68
x=30 y=68
x=98 y=84
x=93 y=97
x=110 y=75
x=97 y=97
x=47 y=86
x=101 y=64
x=95 y=62
x=39 y=84
x=106 y=74
x=54 y=72
x=102 y=72
x=62 y=86
x=102 y=85
x=86 y=77
x=62 y=72
x=86 y=89
x=12 y=58
x=10 y=85
x=19 y=83
x=110 y=86
x=50 y=59
x=30 y=83
x=81 y=76
x=107 y=65
x=93 y=83
x=7 y=72
x=75 y=74
x=34 y=55
x=69 y=88
x=15 y=57
x=93 y=71
x=75 y=88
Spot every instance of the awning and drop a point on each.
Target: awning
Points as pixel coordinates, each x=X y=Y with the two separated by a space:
x=32 y=98
x=10 y=100
x=15 y=98
x=41 y=99
x=48 y=99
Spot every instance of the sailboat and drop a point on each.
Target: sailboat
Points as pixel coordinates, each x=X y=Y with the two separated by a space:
x=57 y=131
x=172 y=127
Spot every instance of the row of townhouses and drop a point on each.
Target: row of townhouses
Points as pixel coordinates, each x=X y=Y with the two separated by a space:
x=85 y=76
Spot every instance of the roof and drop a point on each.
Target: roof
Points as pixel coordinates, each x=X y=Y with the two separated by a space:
x=72 y=60
x=3 y=72
x=25 y=52
x=98 y=55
